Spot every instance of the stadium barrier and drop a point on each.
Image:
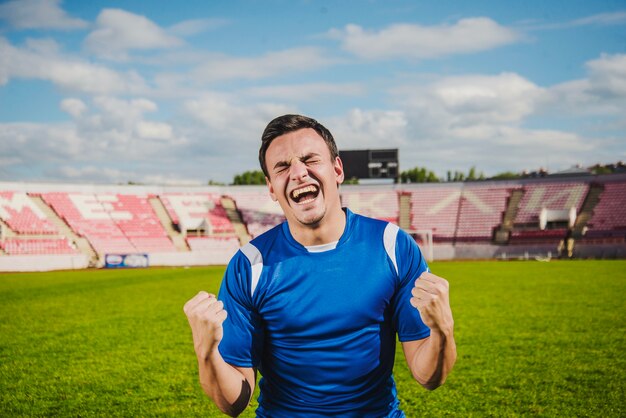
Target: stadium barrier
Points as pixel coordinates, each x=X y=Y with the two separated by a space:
x=191 y=258
x=126 y=260
x=25 y=263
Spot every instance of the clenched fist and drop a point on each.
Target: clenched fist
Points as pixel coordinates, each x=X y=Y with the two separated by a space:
x=206 y=315
x=431 y=298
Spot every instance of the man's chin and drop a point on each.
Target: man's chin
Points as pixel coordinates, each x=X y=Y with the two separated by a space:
x=310 y=219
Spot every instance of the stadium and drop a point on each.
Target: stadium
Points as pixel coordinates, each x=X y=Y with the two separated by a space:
x=534 y=337
x=122 y=125
x=48 y=227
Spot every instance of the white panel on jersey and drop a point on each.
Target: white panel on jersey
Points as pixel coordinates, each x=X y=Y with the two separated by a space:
x=389 y=239
x=256 y=263
x=322 y=248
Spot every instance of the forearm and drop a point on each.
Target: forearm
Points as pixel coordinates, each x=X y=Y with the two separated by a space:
x=433 y=360
x=224 y=384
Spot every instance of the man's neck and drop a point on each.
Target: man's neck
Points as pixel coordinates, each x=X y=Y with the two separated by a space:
x=328 y=230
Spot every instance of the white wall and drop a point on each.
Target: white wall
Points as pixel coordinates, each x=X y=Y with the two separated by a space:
x=11 y=263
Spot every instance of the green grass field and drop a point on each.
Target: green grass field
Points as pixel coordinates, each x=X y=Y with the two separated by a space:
x=533 y=338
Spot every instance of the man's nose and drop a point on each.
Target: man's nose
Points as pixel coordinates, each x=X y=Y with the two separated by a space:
x=299 y=171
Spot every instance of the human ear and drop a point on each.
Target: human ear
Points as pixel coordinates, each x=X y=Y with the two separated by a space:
x=271 y=189
x=338 y=167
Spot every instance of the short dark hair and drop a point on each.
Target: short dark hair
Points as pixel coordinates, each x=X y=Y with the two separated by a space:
x=290 y=123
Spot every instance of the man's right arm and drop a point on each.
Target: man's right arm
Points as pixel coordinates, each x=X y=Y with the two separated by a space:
x=229 y=387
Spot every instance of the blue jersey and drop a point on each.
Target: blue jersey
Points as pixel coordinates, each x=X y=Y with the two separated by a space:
x=320 y=324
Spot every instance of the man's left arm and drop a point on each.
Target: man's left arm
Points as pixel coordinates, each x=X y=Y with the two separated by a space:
x=431 y=359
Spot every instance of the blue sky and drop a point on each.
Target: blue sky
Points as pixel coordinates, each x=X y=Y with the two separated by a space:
x=179 y=92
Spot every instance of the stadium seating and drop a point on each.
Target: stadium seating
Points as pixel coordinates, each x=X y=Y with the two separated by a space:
x=459 y=215
x=435 y=208
x=481 y=211
x=112 y=223
x=549 y=195
x=142 y=228
x=193 y=211
x=379 y=203
x=257 y=209
x=609 y=215
x=19 y=212
x=88 y=218
x=49 y=246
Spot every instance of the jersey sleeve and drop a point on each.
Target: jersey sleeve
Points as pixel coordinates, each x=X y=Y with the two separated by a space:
x=411 y=264
x=243 y=333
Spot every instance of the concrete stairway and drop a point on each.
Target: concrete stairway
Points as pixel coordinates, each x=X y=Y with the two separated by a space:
x=235 y=218
x=586 y=211
x=177 y=238
x=82 y=243
x=404 y=219
x=502 y=234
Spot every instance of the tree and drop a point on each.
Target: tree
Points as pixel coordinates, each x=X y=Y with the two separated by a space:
x=507 y=175
x=461 y=176
x=250 y=177
x=419 y=175
x=472 y=176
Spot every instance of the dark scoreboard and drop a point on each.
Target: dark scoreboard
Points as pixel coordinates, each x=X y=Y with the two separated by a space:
x=370 y=164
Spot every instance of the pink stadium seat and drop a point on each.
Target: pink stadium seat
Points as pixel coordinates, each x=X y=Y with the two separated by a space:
x=549 y=195
x=19 y=246
x=609 y=215
x=257 y=209
x=376 y=202
x=188 y=211
x=481 y=211
x=112 y=223
x=435 y=208
x=142 y=228
x=21 y=214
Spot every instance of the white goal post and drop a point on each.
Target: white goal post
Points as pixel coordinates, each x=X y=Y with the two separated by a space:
x=424 y=239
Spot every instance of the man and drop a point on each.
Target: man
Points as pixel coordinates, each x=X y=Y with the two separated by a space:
x=315 y=303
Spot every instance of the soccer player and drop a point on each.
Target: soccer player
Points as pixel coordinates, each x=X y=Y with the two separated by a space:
x=315 y=304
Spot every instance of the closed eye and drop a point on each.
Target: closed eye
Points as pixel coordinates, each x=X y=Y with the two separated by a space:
x=281 y=167
x=310 y=159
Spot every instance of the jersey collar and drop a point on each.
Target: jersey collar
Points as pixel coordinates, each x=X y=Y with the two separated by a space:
x=350 y=218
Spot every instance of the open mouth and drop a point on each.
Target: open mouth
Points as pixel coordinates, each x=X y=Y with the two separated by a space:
x=305 y=194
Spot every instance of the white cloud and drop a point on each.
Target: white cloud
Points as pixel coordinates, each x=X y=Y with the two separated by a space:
x=361 y=129
x=154 y=130
x=601 y=19
x=38 y=14
x=414 y=41
x=505 y=98
x=607 y=75
x=468 y=102
x=112 y=136
x=602 y=93
x=231 y=120
x=68 y=73
x=195 y=26
x=225 y=133
x=95 y=173
x=128 y=110
x=454 y=123
x=306 y=92
x=288 y=61
x=43 y=46
x=75 y=107
x=118 y=31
